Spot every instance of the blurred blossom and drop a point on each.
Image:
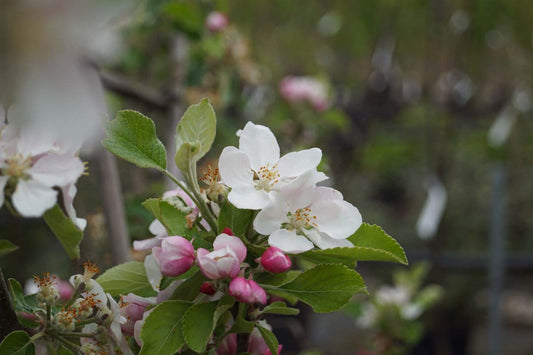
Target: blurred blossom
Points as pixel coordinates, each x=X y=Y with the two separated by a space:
x=329 y=24
x=305 y=89
x=460 y=21
x=494 y=39
x=49 y=44
x=500 y=130
x=522 y=100
x=431 y=215
x=411 y=90
x=216 y=21
x=455 y=86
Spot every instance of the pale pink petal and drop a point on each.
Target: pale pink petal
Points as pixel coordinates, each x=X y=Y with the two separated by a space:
x=32 y=199
x=3 y=181
x=337 y=218
x=57 y=170
x=69 y=192
x=260 y=144
x=323 y=241
x=146 y=244
x=234 y=243
x=248 y=198
x=157 y=228
x=234 y=168
x=296 y=163
x=153 y=272
x=289 y=241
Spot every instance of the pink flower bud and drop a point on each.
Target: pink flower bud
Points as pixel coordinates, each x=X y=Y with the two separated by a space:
x=247 y=291
x=257 y=345
x=207 y=288
x=132 y=308
x=175 y=256
x=216 y=21
x=227 y=231
x=274 y=260
x=225 y=261
x=228 y=346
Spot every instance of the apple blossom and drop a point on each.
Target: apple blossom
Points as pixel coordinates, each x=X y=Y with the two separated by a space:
x=299 y=217
x=225 y=260
x=274 y=260
x=175 y=256
x=132 y=307
x=255 y=170
x=247 y=291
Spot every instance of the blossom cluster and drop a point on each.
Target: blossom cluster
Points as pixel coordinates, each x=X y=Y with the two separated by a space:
x=293 y=211
x=32 y=165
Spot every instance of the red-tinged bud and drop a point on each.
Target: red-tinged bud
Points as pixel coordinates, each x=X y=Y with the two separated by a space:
x=274 y=260
x=207 y=288
x=247 y=291
x=132 y=307
x=227 y=231
x=175 y=256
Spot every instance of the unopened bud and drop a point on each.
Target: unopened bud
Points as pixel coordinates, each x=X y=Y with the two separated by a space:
x=274 y=260
x=247 y=291
x=175 y=256
x=207 y=288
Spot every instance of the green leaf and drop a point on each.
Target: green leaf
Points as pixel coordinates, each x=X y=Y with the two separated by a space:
x=326 y=287
x=161 y=333
x=371 y=243
x=125 y=278
x=68 y=234
x=184 y=157
x=198 y=325
x=280 y=308
x=235 y=219
x=132 y=136
x=189 y=289
x=267 y=278
x=174 y=220
x=7 y=247
x=197 y=127
x=241 y=325
x=17 y=343
x=270 y=339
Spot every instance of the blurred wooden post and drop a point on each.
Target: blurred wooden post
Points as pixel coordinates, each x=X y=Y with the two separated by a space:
x=497 y=258
x=114 y=207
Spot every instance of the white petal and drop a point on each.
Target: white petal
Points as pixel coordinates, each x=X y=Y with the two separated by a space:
x=146 y=244
x=153 y=272
x=260 y=144
x=248 y=198
x=68 y=192
x=301 y=191
x=296 y=163
x=3 y=181
x=327 y=193
x=289 y=241
x=32 y=199
x=234 y=167
x=323 y=241
x=57 y=170
x=157 y=228
x=270 y=218
x=337 y=218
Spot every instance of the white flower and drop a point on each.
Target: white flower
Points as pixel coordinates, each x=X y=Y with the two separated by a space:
x=255 y=170
x=393 y=295
x=299 y=217
x=35 y=166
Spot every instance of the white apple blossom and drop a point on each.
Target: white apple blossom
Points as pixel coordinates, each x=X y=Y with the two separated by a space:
x=298 y=218
x=254 y=171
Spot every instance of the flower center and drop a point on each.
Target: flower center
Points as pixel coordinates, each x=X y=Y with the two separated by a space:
x=17 y=166
x=266 y=177
x=301 y=219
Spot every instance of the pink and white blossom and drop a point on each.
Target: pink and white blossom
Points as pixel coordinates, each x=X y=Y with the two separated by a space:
x=225 y=260
x=175 y=256
x=296 y=89
x=132 y=307
x=247 y=291
x=254 y=171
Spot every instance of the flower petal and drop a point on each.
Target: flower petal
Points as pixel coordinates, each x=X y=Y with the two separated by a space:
x=235 y=169
x=337 y=218
x=260 y=144
x=289 y=241
x=57 y=170
x=234 y=243
x=296 y=163
x=323 y=241
x=270 y=218
x=248 y=198
x=146 y=244
x=157 y=228
x=153 y=272
x=301 y=191
x=68 y=192
x=32 y=199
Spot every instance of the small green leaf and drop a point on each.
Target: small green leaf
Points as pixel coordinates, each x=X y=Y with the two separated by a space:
x=326 y=287
x=17 y=343
x=7 y=247
x=198 y=325
x=235 y=219
x=270 y=339
x=174 y=220
x=267 y=278
x=197 y=127
x=132 y=136
x=371 y=243
x=161 y=333
x=190 y=288
x=68 y=234
x=184 y=157
x=125 y=278
x=280 y=308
